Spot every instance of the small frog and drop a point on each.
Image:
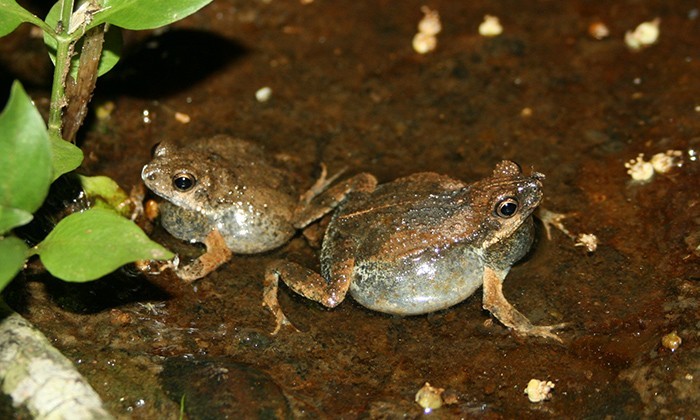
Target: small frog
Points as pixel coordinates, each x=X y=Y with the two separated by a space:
x=423 y=243
x=230 y=195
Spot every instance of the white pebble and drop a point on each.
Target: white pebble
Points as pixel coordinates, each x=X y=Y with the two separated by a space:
x=538 y=391
x=588 y=240
x=429 y=397
x=424 y=43
x=263 y=94
x=430 y=24
x=644 y=35
x=598 y=30
x=183 y=118
x=491 y=26
x=664 y=162
x=639 y=169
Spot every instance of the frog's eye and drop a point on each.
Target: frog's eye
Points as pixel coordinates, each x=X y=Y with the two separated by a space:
x=507 y=207
x=184 y=181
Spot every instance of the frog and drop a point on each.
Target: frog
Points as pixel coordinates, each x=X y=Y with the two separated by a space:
x=234 y=197
x=420 y=244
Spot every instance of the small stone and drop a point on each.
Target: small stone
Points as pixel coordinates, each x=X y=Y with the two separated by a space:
x=538 y=391
x=639 y=169
x=598 y=30
x=671 y=341
x=647 y=33
x=491 y=26
x=263 y=94
x=429 y=397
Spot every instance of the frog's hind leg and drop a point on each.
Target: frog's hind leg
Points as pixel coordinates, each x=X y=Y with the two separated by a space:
x=217 y=253
x=321 y=184
x=305 y=282
x=495 y=302
x=316 y=202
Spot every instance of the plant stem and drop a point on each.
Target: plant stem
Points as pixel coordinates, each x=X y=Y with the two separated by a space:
x=79 y=92
x=64 y=51
x=58 y=97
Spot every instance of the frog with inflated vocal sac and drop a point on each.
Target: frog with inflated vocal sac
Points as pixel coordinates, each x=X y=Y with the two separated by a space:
x=230 y=195
x=423 y=243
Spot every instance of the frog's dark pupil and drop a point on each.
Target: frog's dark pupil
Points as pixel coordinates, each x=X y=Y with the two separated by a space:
x=183 y=182
x=507 y=207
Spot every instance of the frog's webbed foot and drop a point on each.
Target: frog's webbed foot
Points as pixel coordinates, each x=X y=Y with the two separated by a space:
x=495 y=302
x=551 y=220
x=217 y=253
x=305 y=282
x=544 y=331
x=316 y=206
x=271 y=287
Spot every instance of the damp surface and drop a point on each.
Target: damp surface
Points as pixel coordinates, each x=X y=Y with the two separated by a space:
x=347 y=90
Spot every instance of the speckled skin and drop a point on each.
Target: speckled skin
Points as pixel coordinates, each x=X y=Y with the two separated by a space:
x=228 y=194
x=238 y=191
x=423 y=243
x=426 y=238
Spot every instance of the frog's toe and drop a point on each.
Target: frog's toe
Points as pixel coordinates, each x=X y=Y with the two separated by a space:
x=546 y=331
x=283 y=322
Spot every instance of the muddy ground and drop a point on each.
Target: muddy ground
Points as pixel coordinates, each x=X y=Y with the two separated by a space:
x=349 y=91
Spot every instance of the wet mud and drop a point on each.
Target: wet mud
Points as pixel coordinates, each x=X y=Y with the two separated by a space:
x=349 y=91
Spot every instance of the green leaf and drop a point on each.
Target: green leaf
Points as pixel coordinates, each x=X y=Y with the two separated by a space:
x=11 y=15
x=26 y=154
x=11 y=218
x=103 y=190
x=145 y=14
x=111 y=49
x=65 y=156
x=14 y=253
x=86 y=246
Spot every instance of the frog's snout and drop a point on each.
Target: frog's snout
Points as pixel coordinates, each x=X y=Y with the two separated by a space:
x=148 y=173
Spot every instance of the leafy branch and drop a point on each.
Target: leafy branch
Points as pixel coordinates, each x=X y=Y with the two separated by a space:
x=84 y=43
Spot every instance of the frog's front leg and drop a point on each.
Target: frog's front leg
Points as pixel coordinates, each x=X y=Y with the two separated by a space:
x=495 y=302
x=216 y=254
x=316 y=203
x=305 y=282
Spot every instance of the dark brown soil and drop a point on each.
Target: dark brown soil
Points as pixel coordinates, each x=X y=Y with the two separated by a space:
x=349 y=91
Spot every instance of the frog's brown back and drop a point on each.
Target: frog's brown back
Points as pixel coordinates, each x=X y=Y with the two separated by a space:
x=406 y=216
x=247 y=161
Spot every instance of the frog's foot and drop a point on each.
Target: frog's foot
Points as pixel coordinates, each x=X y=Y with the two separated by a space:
x=153 y=267
x=544 y=331
x=307 y=283
x=495 y=302
x=323 y=203
x=321 y=184
x=551 y=220
x=135 y=200
x=271 y=287
x=217 y=253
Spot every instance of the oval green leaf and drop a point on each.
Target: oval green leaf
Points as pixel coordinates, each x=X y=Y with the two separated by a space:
x=86 y=246
x=11 y=15
x=11 y=218
x=14 y=253
x=26 y=154
x=65 y=156
x=103 y=189
x=145 y=14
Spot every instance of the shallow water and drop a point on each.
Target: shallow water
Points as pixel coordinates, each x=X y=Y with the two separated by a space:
x=349 y=91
